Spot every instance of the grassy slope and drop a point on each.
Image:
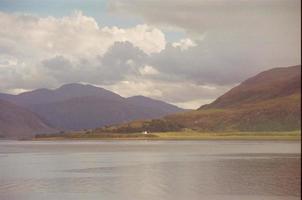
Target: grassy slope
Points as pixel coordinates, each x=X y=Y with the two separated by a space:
x=281 y=114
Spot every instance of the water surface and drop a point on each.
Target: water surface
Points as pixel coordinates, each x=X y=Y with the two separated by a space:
x=150 y=170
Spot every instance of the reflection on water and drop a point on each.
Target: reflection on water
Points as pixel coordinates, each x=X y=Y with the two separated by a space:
x=150 y=170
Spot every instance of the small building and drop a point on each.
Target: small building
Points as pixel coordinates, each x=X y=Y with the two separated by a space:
x=145 y=132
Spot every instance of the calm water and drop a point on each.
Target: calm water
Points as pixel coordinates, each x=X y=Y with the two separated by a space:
x=150 y=170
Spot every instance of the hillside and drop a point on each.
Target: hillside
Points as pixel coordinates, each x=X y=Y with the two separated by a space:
x=271 y=84
x=16 y=121
x=77 y=106
x=269 y=101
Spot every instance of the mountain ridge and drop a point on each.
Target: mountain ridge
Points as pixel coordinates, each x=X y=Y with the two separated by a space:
x=77 y=106
x=65 y=92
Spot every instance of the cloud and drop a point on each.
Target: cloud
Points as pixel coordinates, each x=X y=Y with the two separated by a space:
x=148 y=39
x=148 y=70
x=202 y=15
x=75 y=35
x=233 y=40
x=224 y=43
x=261 y=30
x=121 y=60
x=47 y=51
x=184 y=44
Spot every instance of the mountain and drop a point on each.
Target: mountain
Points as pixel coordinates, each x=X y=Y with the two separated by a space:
x=16 y=121
x=269 y=101
x=65 y=92
x=77 y=106
x=91 y=111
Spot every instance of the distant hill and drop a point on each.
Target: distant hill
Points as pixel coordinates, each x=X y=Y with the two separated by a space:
x=269 y=101
x=77 y=106
x=16 y=121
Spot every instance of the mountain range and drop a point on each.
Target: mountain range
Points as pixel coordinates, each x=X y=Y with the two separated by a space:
x=269 y=101
x=78 y=106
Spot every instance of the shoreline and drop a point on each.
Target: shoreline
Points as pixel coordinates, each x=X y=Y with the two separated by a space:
x=180 y=136
x=169 y=139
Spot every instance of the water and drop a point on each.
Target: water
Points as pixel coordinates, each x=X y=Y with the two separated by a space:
x=150 y=170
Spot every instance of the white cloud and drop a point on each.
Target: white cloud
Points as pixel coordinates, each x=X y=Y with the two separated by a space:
x=48 y=51
x=7 y=61
x=148 y=39
x=148 y=70
x=72 y=36
x=184 y=44
x=194 y=104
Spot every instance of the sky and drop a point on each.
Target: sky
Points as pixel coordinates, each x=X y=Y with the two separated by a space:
x=185 y=52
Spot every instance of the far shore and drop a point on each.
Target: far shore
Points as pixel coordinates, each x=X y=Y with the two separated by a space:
x=186 y=135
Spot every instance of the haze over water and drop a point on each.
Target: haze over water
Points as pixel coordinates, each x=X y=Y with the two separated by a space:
x=128 y=170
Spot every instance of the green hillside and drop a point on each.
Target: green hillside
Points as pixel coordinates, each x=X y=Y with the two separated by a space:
x=269 y=101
